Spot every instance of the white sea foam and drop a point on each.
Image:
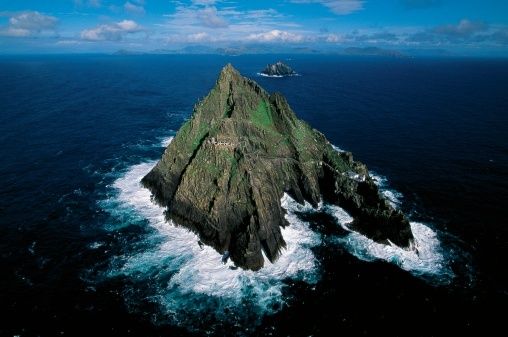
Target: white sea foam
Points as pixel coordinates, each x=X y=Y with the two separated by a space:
x=379 y=180
x=95 y=245
x=427 y=260
x=274 y=76
x=189 y=280
x=394 y=197
x=198 y=270
x=342 y=217
x=166 y=140
x=338 y=149
x=277 y=76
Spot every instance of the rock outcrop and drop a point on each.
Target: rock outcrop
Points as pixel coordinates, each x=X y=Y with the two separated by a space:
x=227 y=168
x=278 y=69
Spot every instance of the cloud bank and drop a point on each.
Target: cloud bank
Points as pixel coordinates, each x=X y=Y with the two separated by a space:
x=111 y=32
x=28 y=23
x=275 y=36
x=339 y=7
x=134 y=7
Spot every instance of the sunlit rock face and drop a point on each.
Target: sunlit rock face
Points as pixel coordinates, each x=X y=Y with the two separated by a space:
x=225 y=172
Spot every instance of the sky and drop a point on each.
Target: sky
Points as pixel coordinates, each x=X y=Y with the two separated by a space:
x=461 y=27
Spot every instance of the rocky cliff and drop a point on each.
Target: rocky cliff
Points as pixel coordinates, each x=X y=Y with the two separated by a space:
x=278 y=69
x=227 y=168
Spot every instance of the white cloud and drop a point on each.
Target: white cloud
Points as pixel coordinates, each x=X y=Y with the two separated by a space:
x=275 y=36
x=29 y=23
x=111 y=32
x=134 y=8
x=209 y=17
x=227 y=24
x=198 y=37
x=88 y=3
x=463 y=32
x=344 y=7
x=129 y=26
x=340 y=7
x=269 y=13
x=333 y=38
x=204 y=2
x=464 y=28
x=189 y=16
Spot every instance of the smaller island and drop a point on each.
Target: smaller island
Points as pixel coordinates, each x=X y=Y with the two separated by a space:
x=279 y=69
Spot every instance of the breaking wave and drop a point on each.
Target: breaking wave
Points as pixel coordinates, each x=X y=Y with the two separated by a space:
x=165 y=141
x=199 y=269
x=426 y=259
x=186 y=280
x=393 y=197
x=193 y=278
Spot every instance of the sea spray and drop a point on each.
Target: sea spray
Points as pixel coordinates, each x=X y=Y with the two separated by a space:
x=188 y=281
x=194 y=275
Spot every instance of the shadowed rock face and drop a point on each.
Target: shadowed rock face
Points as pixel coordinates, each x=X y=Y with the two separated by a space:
x=278 y=69
x=227 y=168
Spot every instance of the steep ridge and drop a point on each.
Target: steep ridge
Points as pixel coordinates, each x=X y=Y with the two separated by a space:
x=225 y=172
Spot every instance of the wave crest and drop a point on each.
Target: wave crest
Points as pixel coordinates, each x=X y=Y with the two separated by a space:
x=195 y=275
x=187 y=280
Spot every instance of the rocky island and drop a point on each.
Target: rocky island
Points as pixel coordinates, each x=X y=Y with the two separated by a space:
x=278 y=69
x=228 y=167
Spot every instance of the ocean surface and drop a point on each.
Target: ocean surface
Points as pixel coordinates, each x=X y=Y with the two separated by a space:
x=84 y=251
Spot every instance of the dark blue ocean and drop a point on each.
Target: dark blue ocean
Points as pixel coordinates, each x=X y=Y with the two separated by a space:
x=83 y=252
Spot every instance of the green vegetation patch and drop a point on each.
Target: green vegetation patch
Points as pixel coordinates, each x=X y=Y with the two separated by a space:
x=200 y=134
x=336 y=160
x=304 y=141
x=262 y=116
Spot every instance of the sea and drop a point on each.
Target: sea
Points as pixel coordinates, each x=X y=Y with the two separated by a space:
x=85 y=252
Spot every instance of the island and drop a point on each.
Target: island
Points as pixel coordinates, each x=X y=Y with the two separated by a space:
x=225 y=172
x=278 y=69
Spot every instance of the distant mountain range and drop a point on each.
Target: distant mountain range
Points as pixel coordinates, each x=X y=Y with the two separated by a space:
x=291 y=49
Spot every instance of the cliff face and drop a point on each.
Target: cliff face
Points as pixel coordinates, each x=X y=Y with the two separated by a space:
x=227 y=168
x=278 y=69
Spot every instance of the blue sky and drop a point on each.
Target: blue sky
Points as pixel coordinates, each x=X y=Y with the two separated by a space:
x=465 y=27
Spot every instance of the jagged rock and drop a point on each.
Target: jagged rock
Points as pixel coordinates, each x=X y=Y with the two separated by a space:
x=278 y=69
x=227 y=168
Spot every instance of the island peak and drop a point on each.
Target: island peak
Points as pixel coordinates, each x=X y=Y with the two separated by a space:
x=228 y=167
x=229 y=70
x=278 y=69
